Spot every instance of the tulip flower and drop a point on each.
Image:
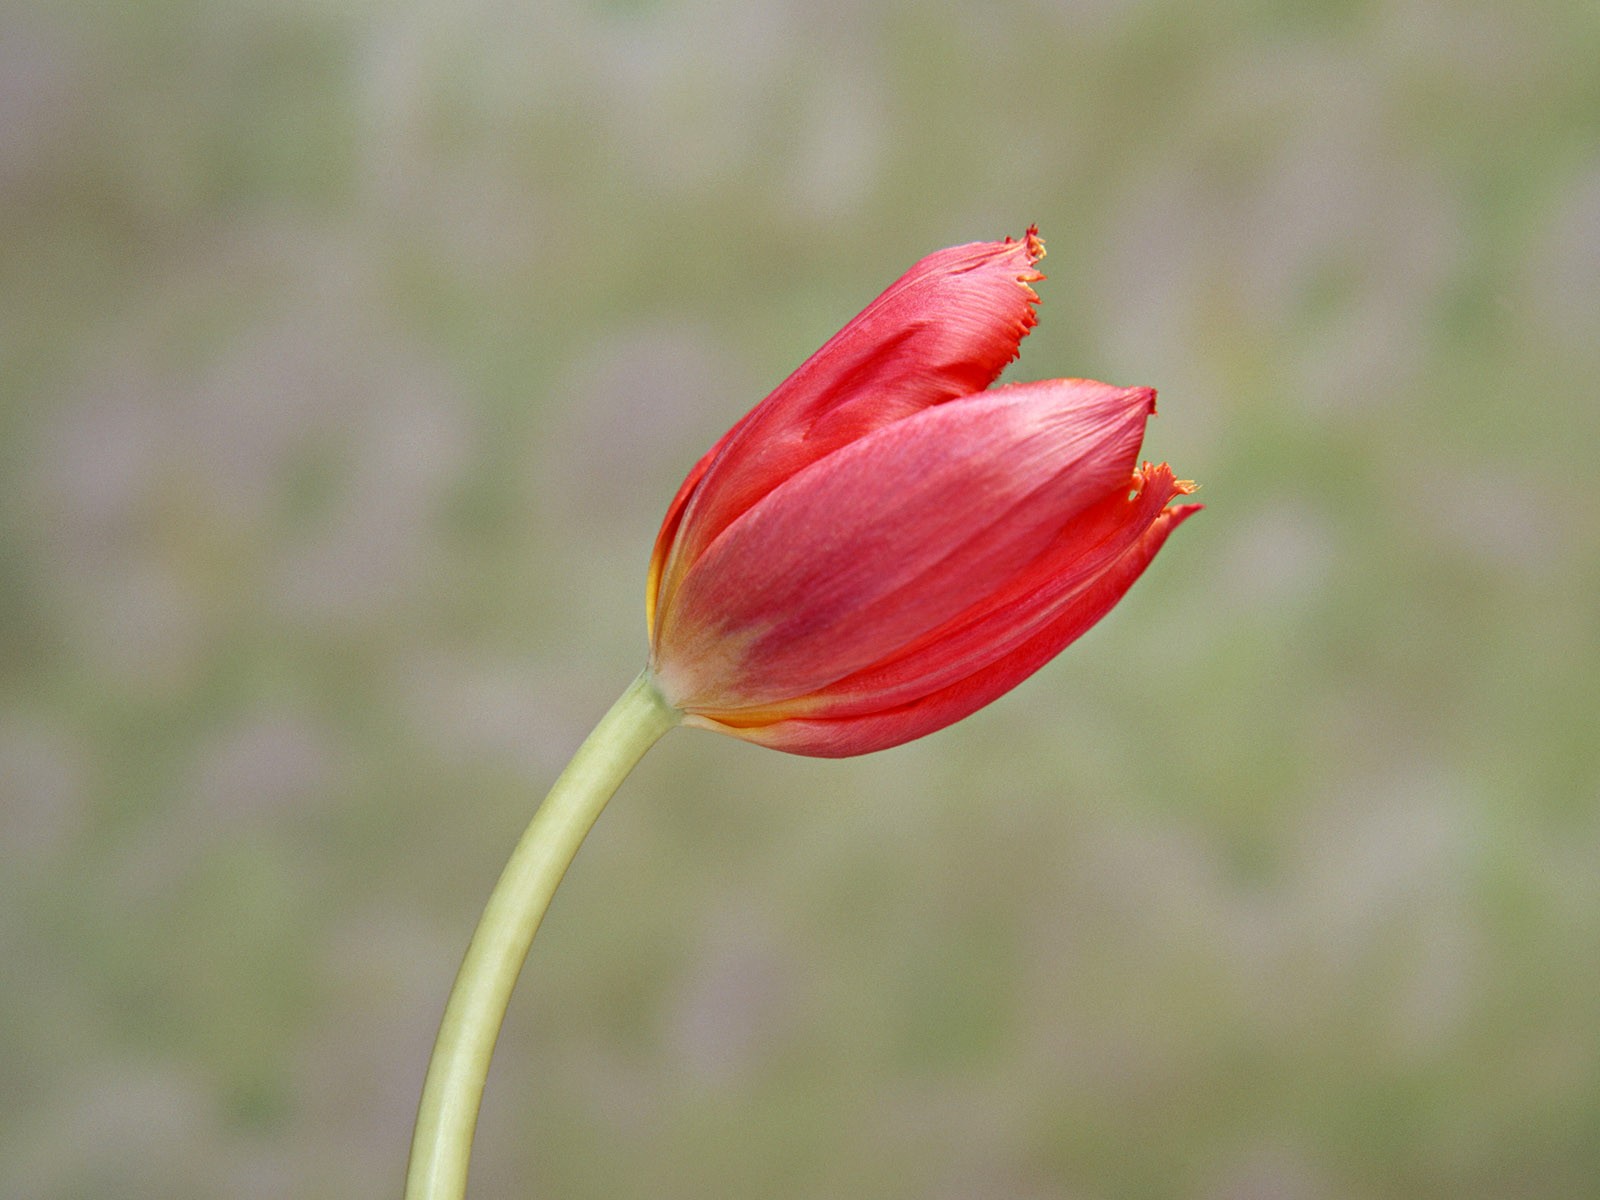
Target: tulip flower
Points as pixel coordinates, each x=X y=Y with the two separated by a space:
x=882 y=546
x=886 y=543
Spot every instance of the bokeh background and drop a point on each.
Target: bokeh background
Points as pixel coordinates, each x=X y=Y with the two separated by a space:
x=349 y=355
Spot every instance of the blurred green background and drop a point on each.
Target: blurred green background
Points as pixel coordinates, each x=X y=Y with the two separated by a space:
x=349 y=355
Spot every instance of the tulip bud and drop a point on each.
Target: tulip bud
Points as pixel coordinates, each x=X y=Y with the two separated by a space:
x=887 y=543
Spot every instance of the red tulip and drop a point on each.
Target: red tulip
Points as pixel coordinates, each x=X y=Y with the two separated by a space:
x=885 y=544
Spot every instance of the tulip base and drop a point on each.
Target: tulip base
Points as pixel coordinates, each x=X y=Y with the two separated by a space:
x=453 y=1090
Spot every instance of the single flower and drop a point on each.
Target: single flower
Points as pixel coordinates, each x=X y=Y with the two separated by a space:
x=887 y=543
x=881 y=546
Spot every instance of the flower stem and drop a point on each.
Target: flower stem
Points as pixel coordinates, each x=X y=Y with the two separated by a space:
x=453 y=1090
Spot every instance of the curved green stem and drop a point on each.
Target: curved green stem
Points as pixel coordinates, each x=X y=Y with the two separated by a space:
x=448 y=1113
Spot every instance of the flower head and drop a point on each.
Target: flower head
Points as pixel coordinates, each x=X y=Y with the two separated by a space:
x=887 y=543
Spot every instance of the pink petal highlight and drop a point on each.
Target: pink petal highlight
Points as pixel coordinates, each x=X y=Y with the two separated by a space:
x=879 y=544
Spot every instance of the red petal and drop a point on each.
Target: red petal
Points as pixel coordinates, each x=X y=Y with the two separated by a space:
x=840 y=737
x=944 y=329
x=890 y=537
x=1085 y=549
